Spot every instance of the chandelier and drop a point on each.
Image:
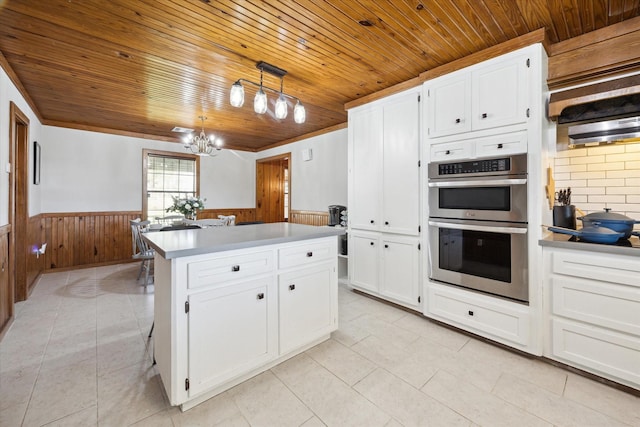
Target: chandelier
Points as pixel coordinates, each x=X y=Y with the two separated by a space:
x=203 y=145
x=236 y=97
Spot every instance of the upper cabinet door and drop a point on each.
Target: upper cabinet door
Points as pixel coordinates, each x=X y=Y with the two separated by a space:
x=366 y=175
x=499 y=93
x=401 y=173
x=449 y=106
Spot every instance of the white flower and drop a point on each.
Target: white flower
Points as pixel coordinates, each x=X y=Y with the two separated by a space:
x=187 y=207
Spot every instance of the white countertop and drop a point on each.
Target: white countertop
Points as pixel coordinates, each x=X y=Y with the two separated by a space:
x=180 y=243
x=625 y=247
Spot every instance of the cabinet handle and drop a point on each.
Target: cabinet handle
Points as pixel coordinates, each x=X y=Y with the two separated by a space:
x=470 y=312
x=309 y=254
x=373 y=222
x=447 y=152
x=292 y=287
x=260 y=296
x=484 y=115
x=235 y=268
x=386 y=246
x=499 y=145
x=458 y=121
x=371 y=243
x=386 y=223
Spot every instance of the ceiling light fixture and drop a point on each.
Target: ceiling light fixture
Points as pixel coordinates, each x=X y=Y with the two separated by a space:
x=236 y=96
x=203 y=145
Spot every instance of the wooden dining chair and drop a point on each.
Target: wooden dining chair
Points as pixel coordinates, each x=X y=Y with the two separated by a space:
x=141 y=250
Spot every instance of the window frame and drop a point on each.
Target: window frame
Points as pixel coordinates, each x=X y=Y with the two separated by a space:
x=170 y=154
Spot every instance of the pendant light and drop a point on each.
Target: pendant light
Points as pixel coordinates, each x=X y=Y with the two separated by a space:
x=260 y=101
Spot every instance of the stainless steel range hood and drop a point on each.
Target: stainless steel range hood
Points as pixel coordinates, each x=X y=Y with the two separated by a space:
x=609 y=131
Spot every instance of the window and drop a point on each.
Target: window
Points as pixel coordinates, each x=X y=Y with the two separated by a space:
x=165 y=175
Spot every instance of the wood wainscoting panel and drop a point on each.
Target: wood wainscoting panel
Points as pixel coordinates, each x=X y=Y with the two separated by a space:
x=6 y=288
x=309 y=217
x=85 y=238
x=35 y=238
x=242 y=214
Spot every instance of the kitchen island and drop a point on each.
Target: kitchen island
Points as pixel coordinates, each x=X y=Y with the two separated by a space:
x=231 y=302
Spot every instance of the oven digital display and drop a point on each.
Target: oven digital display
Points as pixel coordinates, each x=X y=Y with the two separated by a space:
x=476 y=166
x=475 y=198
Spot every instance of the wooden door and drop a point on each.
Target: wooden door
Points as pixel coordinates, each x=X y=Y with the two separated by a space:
x=18 y=201
x=270 y=188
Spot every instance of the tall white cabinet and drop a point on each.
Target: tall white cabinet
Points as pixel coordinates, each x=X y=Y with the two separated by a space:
x=384 y=198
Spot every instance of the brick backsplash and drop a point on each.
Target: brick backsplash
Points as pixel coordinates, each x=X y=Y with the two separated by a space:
x=604 y=176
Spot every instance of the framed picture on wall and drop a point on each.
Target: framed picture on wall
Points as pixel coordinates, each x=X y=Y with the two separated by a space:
x=36 y=162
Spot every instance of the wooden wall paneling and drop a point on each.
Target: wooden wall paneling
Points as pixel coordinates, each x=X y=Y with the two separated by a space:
x=309 y=217
x=606 y=52
x=6 y=288
x=35 y=238
x=242 y=214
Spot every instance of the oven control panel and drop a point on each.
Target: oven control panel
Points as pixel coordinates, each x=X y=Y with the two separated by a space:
x=476 y=166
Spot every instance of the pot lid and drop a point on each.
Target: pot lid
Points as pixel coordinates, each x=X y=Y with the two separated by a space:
x=607 y=215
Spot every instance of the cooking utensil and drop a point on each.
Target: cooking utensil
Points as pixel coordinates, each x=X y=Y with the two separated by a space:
x=612 y=220
x=592 y=234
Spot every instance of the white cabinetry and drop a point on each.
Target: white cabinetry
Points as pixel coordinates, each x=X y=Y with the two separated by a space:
x=364 y=259
x=384 y=174
x=400 y=278
x=594 y=312
x=223 y=317
x=488 y=95
x=489 y=146
x=306 y=306
x=384 y=198
x=497 y=319
x=231 y=330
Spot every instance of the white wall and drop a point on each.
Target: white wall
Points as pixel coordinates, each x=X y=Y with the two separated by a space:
x=322 y=181
x=9 y=93
x=90 y=172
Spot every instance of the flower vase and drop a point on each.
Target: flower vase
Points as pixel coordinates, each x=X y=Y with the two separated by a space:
x=191 y=216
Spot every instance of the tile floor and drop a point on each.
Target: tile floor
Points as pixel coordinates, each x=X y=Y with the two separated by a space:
x=78 y=355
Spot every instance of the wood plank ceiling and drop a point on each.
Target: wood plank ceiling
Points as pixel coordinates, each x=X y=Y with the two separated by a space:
x=145 y=66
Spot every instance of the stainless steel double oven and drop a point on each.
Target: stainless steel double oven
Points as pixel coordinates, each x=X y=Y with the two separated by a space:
x=478 y=225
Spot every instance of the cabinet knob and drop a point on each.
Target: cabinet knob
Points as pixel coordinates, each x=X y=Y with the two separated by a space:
x=371 y=243
x=292 y=287
x=235 y=268
x=470 y=312
x=373 y=222
x=386 y=223
x=386 y=246
x=447 y=152
x=500 y=146
x=260 y=296
x=458 y=121
x=309 y=254
x=484 y=115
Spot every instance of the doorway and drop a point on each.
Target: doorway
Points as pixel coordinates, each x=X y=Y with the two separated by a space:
x=18 y=201
x=273 y=182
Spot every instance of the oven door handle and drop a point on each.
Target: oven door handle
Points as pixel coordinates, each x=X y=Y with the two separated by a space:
x=479 y=183
x=471 y=227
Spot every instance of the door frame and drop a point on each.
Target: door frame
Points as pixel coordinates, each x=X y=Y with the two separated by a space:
x=18 y=202
x=272 y=159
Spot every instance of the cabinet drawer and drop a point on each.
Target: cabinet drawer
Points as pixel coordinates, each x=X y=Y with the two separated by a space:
x=225 y=269
x=483 y=315
x=451 y=151
x=511 y=143
x=613 y=354
x=307 y=253
x=599 y=303
x=623 y=270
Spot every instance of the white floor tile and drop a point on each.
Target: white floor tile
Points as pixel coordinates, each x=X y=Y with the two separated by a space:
x=78 y=354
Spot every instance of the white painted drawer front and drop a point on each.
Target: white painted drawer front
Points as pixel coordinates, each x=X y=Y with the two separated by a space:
x=486 y=316
x=225 y=269
x=511 y=143
x=603 y=267
x=602 y=304
x=613 y=354
x=308 y=253
x=451 y=151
